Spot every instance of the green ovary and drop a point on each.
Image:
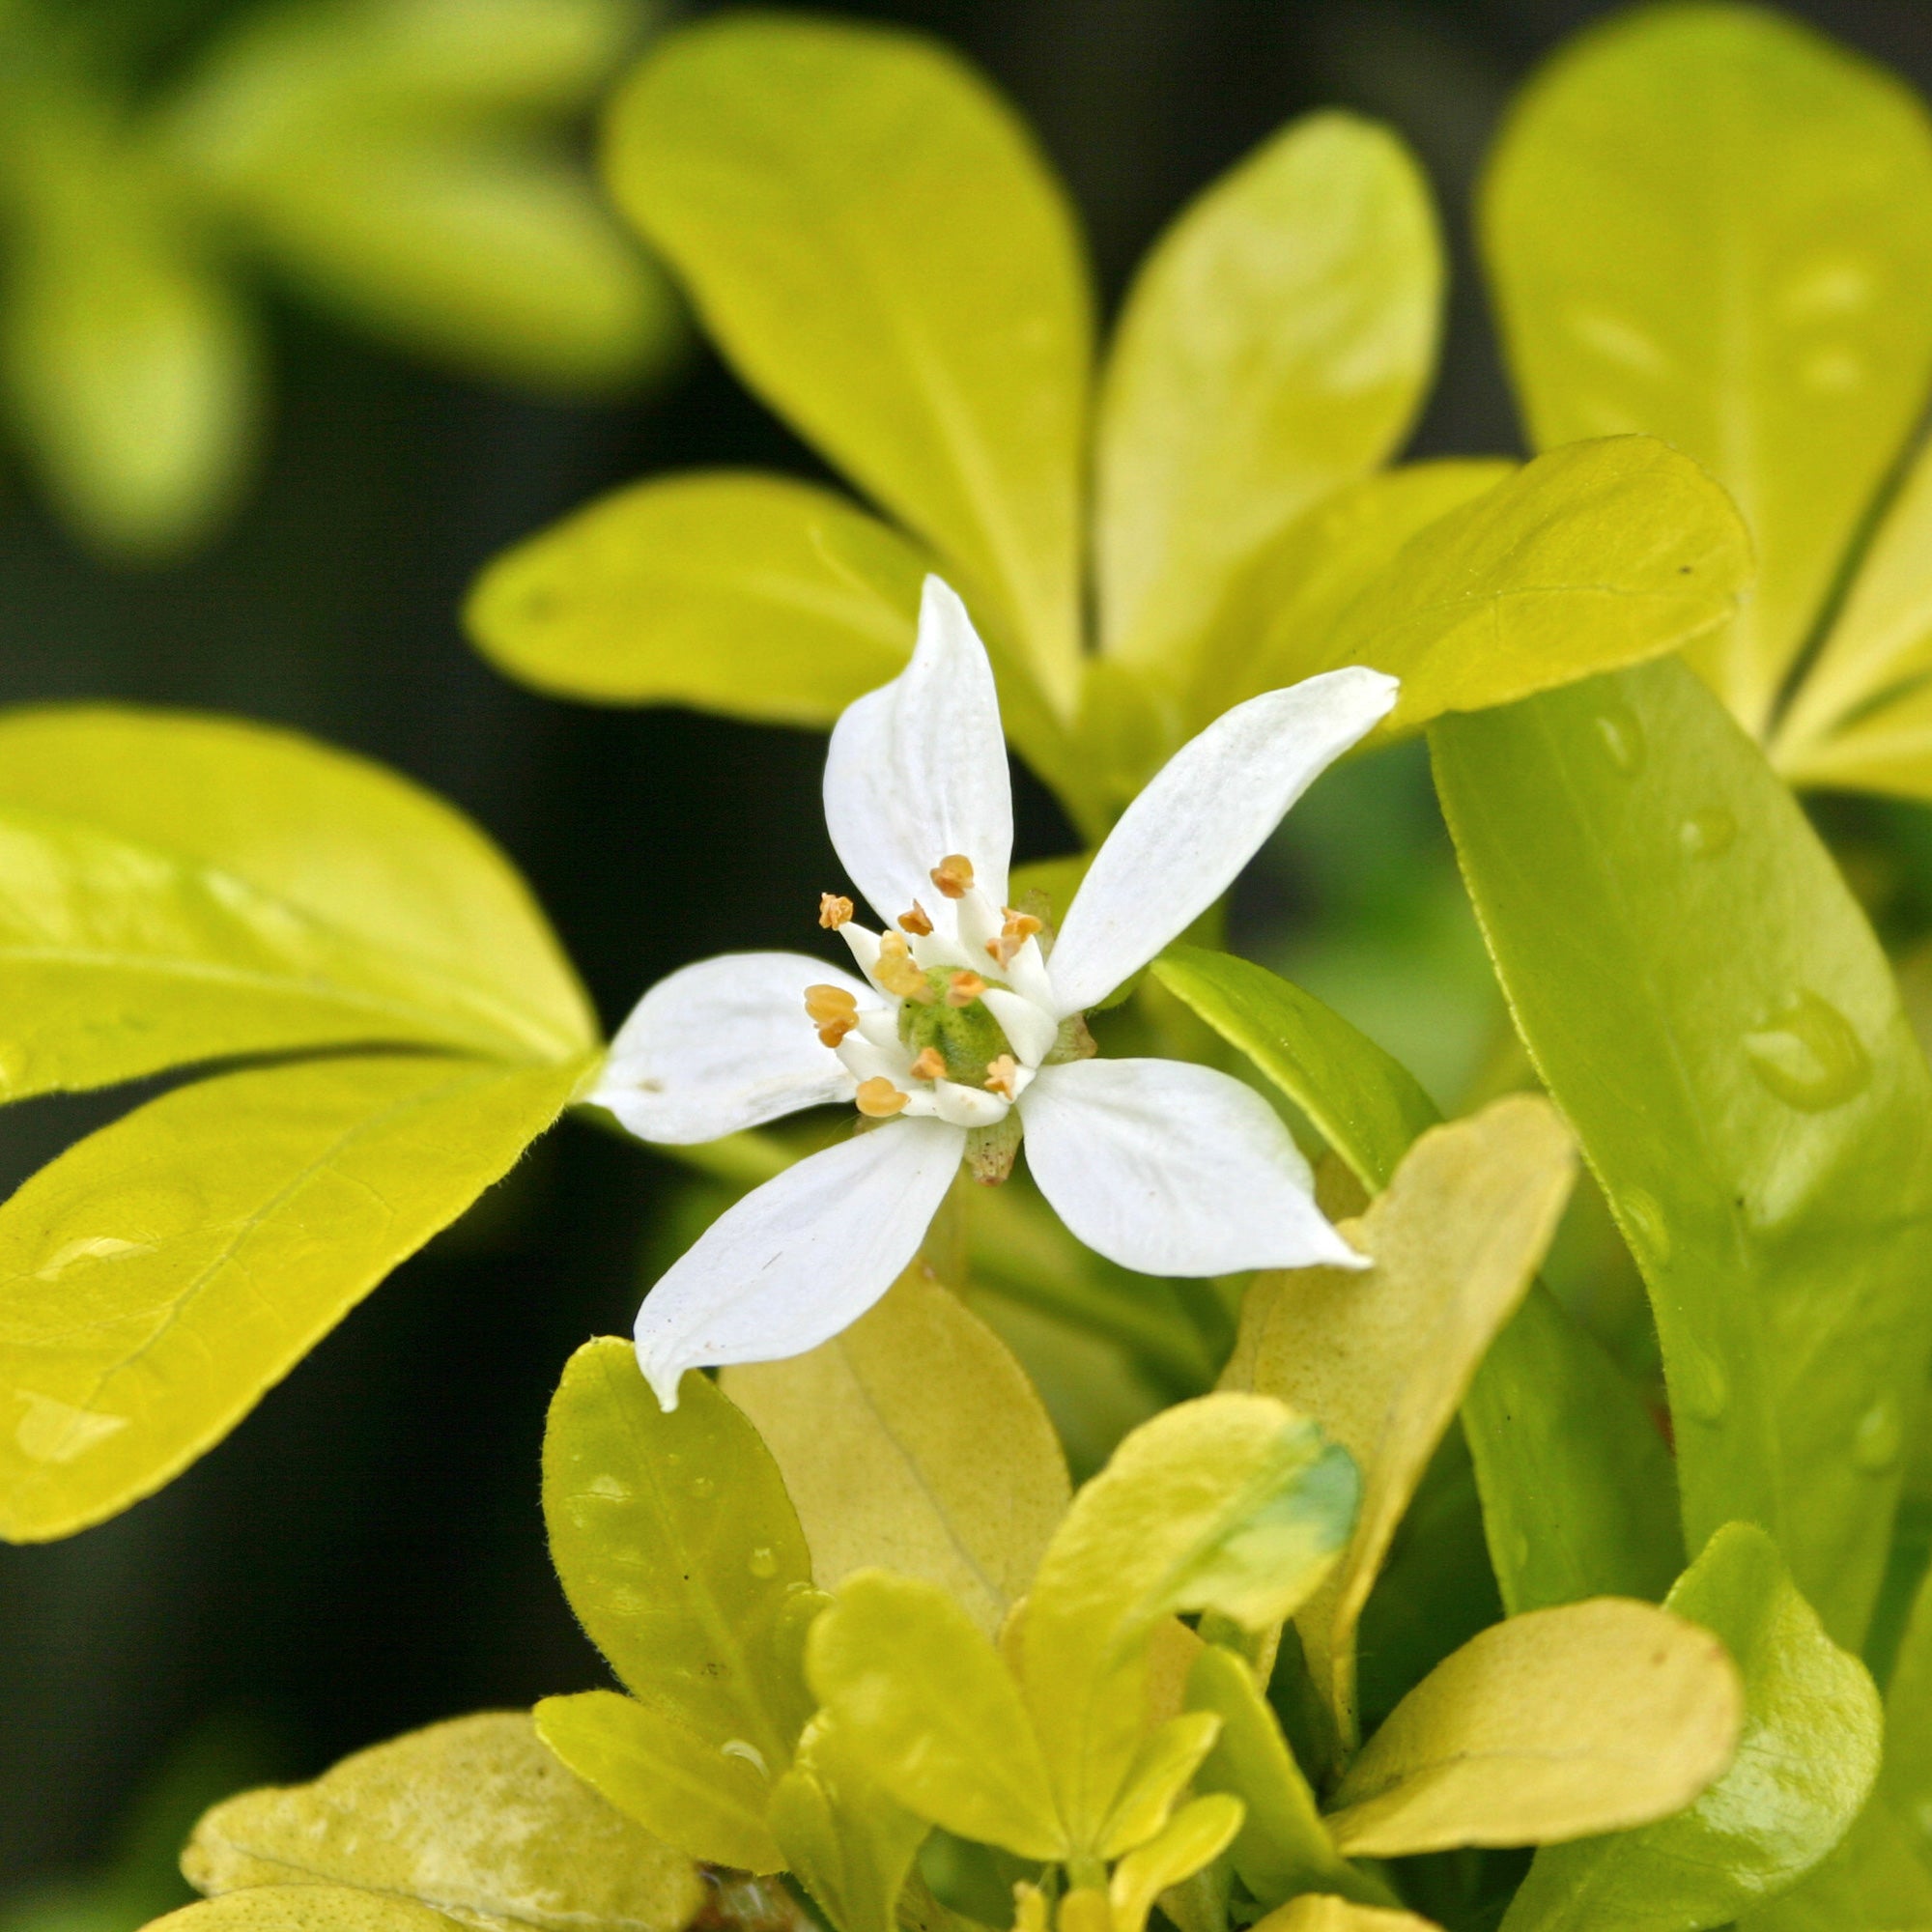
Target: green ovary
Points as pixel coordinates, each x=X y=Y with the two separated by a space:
x=968 y=1038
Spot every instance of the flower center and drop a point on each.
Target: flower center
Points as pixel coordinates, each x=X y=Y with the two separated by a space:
x=953 y=1023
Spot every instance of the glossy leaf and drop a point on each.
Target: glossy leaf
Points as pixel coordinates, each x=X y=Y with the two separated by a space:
x=1595 y=1716
x=1708 y=223
x=1804 y=1763
x=849 y=1843
x=303 y=1908
x=875 y=242
x=1381 y=1360
x=1710 y=1008
x=1283 y=1847
x=1274 y=345
x=473 y=1817
x=159 y=1276
x=926 y=1706
x=1313 y=1912
x=1230 y=1503
x=728 y=591
x=709 y=1796
x=1197 y=1835
x=176 y=888
x=1578 y=1494
x=914 y=1442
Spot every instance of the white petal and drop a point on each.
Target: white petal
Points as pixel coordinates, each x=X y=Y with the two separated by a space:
x=868 y=1060
x=1029 y=1030
x=918 y=771
x=967 y=1106
x=799 y=1257
x=1174 y=1169
x=724 y=1045
x=1202 y=818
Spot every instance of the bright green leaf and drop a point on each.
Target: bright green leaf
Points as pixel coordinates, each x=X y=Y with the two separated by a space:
x=730 y=592
x=473 y=1817
x=1712 y=1013
x=679 y=1552
x=876 y=243
x=177 y=887
x=159 y=1276
x=1196 y=1837
x=1274 y=345
x=303 y=1908
x=914 y=1442
x=1230 y=1503
x=706 y=1795
x=1804 y=1763
x=1708 y=223
x=924 y=1702
x=1595 y=1716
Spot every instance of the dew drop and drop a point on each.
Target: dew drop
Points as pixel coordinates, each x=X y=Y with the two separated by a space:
x=1622 y=736
x=89 y=1248
x=764 y=1562
x=1520 y=1549
x=1706 y=834
x=1700 y=1385
x=1879 y=1437
x=702 y=1485
x=1647 y=1225
x=738 y=1748
x=1809 y=1056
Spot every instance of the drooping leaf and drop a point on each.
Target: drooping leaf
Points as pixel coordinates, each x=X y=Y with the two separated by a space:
x=1595 y=1716
x=1231 y=1503
x=178 y=888
x=1381 y=1360
x=679 y=1552
x=1804 y=1763
x=1274 y=345
x=730 y=592
x=1709 y=224
x=1197 y=1835
x=1711 y=1010
x=1283 y=1847
x=1578 y=1496
x=472 y=1818
x=926 y=1706
x=303 y=1908
x=875 y=242
x=159 y=1276
x=914 y=1442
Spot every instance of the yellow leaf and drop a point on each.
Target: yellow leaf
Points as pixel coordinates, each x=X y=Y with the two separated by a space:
x=1382 y=1360
x=1168 y=1758
x=1317 y=1911
x=914 y=1442
x=1196 y=1836
x=1559 y=1725
x=302 y=1907
x=473 y=1818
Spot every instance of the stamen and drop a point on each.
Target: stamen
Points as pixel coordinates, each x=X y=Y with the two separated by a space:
x=916 y=921
x=1003 y=1076
x=930 y=1065
x=832 y=911
x=964 y=988
x=1020 y=926
x=897 y=972
x=833 y=1011
x=954 y=875
x=879 y=1099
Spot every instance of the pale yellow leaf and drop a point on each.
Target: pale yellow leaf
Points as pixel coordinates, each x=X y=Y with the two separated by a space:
x=1320 y=1912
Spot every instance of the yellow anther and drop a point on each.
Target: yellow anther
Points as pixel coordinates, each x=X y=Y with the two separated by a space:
x=832 y=911
x=1020 y=926
x=897 y=970
x=930 y=1065
x=825 y=1003
x=879 y=1099
x=1002 y=1075
x=963 y=988
x=954 y=875
x=916 y=921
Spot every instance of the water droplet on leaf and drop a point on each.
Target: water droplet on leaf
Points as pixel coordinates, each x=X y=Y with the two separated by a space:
x=764 y=1562
x=1622 y=737
x=1648 y=1229
x=1706 y=834
x=1809 y=1054
x=57 y=1431
x=737 y=1748
x=1698 y=1384
x=1879 y=1437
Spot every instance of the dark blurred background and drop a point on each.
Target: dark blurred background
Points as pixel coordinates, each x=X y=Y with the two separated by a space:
x=365 y=1552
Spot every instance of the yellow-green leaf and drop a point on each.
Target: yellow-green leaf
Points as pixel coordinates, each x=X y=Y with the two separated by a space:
x=1196 y=1837
x=1274 y=345
x=1313 y=1911
x=876 y=243
x=843 y=1835
x=1709 y=223
x=679 y=1552
x=1594 y=557
x=707 y=1795
x=1593 y=1717
x=177 y=887
x=914 y=1442
x=1888 y=749
x=1804 y=1763
x=1382 y=1360
x=729 y=591
x=473 y=1818
x=1230 y=1503
x=303 y=1908
x=926 y=1705
x=159 y=1276
x=1167 y=1760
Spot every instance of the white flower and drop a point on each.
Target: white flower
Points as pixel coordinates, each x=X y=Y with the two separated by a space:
x=963 y=1030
